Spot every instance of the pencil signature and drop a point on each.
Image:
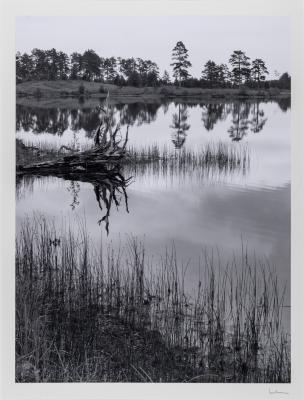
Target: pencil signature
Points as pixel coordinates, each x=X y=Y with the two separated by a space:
x=276 y=392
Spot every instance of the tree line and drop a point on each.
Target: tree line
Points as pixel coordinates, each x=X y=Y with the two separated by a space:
x=89 y=66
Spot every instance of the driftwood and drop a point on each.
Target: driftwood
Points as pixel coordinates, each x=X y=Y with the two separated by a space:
x=105 y=156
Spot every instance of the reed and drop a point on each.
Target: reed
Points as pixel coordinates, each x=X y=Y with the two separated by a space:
x=83 y=315
x=211 y=159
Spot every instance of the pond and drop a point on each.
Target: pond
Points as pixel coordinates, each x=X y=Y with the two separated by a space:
x=190 y=208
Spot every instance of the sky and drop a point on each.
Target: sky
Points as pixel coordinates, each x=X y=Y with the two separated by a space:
x=154 y=37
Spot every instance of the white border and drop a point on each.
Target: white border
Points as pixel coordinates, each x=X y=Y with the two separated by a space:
x=12 y=8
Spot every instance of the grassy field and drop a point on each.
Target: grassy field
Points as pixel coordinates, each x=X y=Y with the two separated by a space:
x=85 y=316
x=64 y=89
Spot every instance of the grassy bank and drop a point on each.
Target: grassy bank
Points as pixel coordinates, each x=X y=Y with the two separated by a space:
x=67 y=89
x=86 y=316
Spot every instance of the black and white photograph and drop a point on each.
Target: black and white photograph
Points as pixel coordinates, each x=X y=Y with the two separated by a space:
x=153 y=187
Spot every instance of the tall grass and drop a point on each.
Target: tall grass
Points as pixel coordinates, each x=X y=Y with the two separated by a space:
x=211 y=159
x=86 y=316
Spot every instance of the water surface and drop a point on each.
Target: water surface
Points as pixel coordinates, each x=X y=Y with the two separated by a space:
x=192 y=210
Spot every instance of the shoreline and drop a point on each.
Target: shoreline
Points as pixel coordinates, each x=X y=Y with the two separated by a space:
x=29 y=92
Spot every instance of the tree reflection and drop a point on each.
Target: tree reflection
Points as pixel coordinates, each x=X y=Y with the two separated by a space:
x=58 y=120
x=258 y=118
x=284 y=103
x=137 y=113
x=246 y=116
x=109 y=189
x=180 y=126
x=38 y=120
x=212 y=113
x=240 y=121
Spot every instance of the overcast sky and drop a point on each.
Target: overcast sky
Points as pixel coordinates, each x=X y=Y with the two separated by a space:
x=153 y=38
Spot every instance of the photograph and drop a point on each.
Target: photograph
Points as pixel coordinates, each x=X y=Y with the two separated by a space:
x=153 y=199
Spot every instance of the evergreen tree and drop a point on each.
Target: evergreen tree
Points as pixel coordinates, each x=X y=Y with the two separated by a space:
x=211 y=73
x=258 y=70
x=166 y=78
x=109 y=69
x=127 y=66
x=180 y=62
x=224 y=75
x=240 y=67
x=52 y=64
x=76 y=66
x=63 y=65
x=91 y=65
x=40 y=64
x=285 y=81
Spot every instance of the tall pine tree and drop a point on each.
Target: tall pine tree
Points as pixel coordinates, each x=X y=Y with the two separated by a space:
x=180 y=62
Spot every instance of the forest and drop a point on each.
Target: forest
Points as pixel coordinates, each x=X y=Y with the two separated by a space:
x=55 y=65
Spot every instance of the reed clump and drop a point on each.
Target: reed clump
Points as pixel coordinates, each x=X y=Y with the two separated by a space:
x=117 y=317
x=218 y=157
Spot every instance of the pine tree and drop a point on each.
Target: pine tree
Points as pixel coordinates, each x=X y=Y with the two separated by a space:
x=91 y=65
x=76 y=66
x=166 y=78
x=258 y=70
x=211 y=73
x=180 y=62
x=109 y=69
x=240 y=67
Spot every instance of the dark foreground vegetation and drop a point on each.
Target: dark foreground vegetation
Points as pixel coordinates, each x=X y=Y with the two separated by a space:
x=85 y=316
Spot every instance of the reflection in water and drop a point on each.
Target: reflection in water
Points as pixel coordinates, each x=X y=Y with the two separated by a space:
x=245 y=115
x=109 y=190
x=284 y=103
x=240 y=121
x=211 y=114
x=137 y=113
x=180 y=126
x=258 y=121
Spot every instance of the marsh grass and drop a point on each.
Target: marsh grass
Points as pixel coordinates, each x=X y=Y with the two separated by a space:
x=119 y=317
x=212 y=158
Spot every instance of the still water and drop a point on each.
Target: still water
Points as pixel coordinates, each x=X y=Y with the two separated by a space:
x=194 y=211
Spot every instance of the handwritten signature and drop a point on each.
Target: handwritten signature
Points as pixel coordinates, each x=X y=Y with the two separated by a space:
x=276 y=392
